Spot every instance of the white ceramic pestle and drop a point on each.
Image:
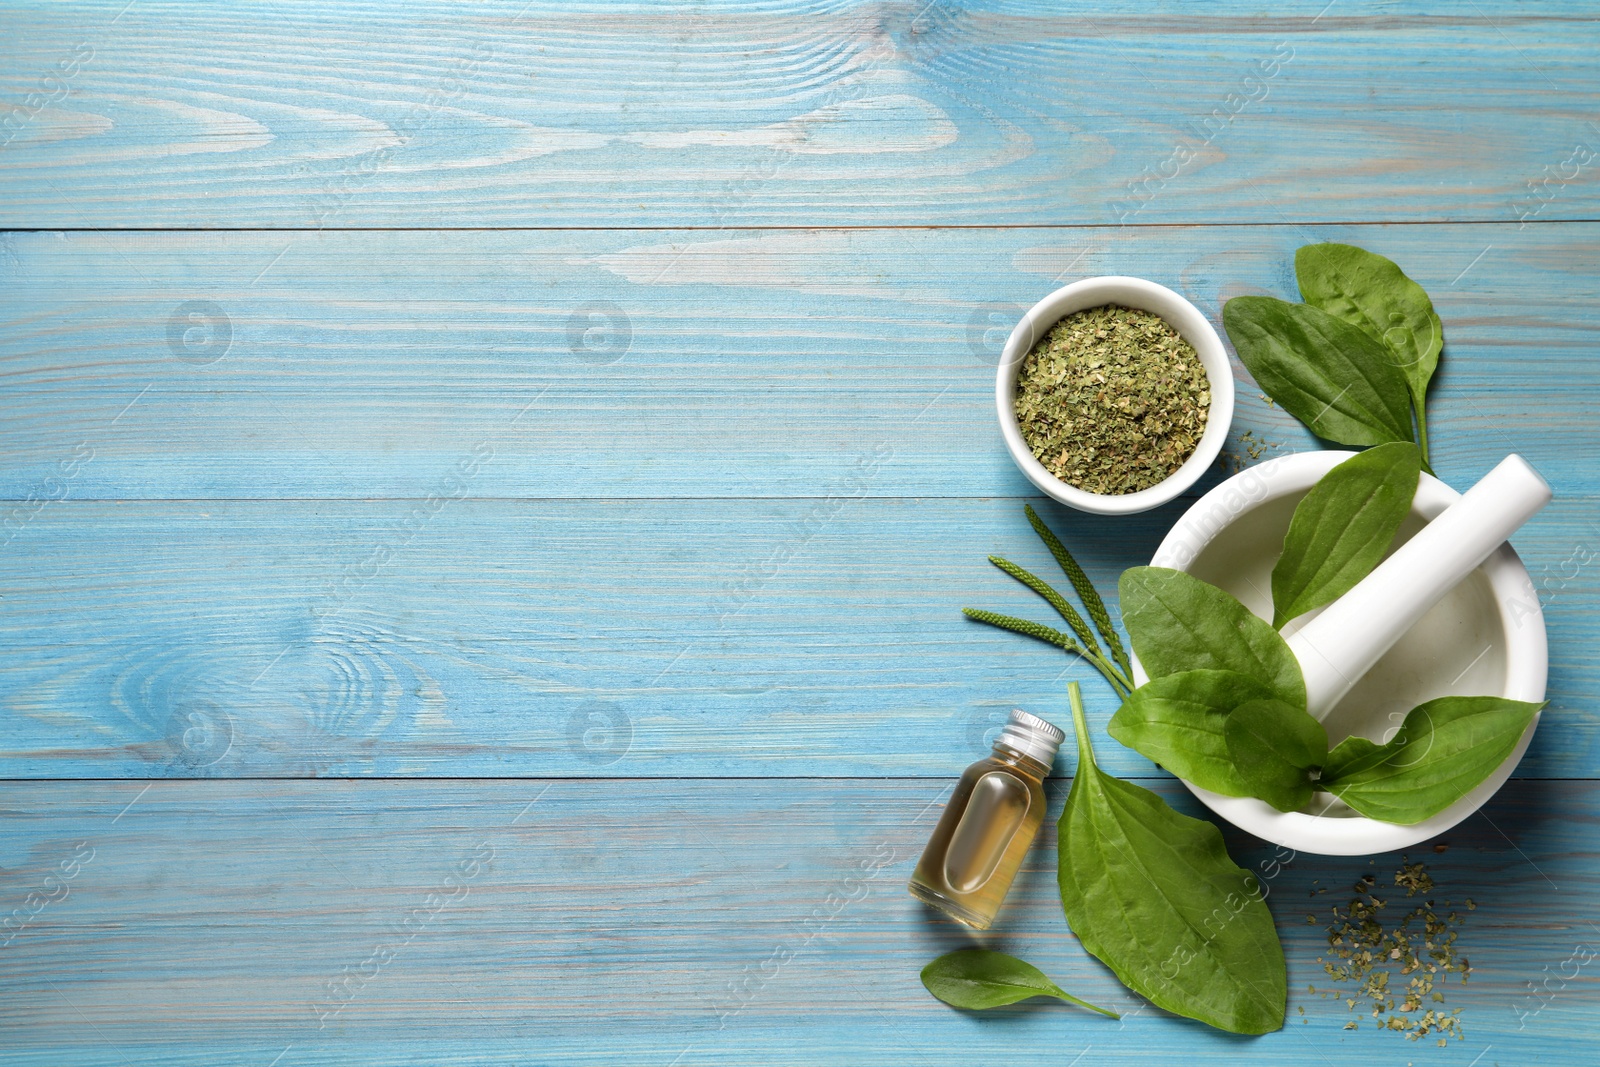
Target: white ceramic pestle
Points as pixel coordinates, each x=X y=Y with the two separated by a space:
x=1339 y=645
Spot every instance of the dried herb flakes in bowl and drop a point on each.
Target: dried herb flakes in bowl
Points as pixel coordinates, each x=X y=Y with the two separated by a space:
x=1112 y=400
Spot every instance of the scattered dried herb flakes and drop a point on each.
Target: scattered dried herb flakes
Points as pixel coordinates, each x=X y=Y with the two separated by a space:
x=1251 y=446
x=1369 y=945
x=1112 y=400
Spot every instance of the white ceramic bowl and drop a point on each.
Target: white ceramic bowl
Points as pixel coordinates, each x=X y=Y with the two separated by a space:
x=1143 y=296
x=1486 y=637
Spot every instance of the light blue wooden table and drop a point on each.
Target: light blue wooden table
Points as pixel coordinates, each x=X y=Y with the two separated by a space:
x=490 y=489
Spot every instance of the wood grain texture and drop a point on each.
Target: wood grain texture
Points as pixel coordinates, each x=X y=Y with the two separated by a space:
x=618 y=638
x=793 y=113
x=716 y=922
x=682 y=364
x=458 y=629
x=595 y=400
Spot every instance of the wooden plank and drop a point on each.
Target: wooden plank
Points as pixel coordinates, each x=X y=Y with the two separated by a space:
x=622 y=638
x=644 y=364
x=725 y=922
x=795 y=113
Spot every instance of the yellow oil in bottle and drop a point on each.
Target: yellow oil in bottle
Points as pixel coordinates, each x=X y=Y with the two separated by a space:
x=993 y=815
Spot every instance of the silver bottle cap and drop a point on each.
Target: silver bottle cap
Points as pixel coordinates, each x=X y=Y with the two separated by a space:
x=1031 y=736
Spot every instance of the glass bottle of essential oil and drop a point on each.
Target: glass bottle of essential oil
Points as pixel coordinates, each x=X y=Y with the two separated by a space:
x=986 y=829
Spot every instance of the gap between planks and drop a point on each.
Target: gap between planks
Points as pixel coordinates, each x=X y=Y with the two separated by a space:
x=802 y=228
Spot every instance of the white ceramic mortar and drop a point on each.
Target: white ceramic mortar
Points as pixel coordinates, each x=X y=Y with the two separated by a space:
x=1485 y=636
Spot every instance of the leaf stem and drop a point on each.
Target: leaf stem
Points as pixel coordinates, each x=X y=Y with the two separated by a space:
x=1080 y=726
x=1062 y=994
x=1420 y=405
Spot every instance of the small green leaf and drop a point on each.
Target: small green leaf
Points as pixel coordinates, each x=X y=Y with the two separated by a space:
x=1153 y=895
x=1179 y=623
x=1323 y=371
x=1275 y=747
x=1342 y=528
x=1443 y=750
x=977 y=978
x=1373 y=294
x=1177 y=721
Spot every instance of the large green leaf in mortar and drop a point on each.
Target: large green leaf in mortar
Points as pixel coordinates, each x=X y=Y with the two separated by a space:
x=1342 y=528
x=1443 y=750
x=1179 y=623
x=1177 y=721
x=1277 y=748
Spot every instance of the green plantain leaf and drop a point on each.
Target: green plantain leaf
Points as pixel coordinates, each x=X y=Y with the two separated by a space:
x=1325 y=372
x=1275 y=747
x=1342 y=528
x=977 y=978
x=1442 y=751
x=1373 y=294
x=1349 y=756
x=1179 y=623
x=1153 y=895
x=1177 y=721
